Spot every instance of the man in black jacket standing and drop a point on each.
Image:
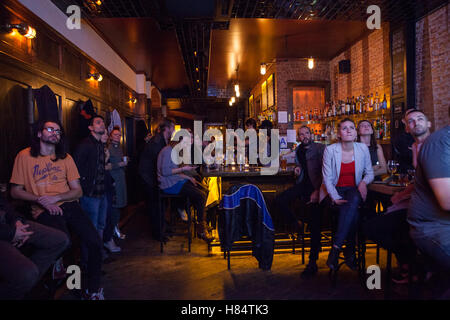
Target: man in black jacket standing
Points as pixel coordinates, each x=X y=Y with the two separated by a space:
x=148 y=167
x=308 y=157
x=90 y=160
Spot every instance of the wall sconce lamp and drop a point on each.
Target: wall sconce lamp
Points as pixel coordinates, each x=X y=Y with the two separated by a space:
x=263 y=68
x=132 y=100
x=95 y=76
x=311 y=63
x=24 y=29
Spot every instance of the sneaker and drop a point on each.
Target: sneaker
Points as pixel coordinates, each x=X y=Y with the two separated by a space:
x=59 y=271
x=112 y=247
x=310 y=270
x=93 y=296
x=183 y=214
x=119 y=234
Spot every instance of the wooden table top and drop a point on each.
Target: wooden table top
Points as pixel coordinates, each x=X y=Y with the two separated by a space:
x=385 y=188
x=234 y=171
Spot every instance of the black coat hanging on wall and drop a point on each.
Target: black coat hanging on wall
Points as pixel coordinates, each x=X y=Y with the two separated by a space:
x=46 y=103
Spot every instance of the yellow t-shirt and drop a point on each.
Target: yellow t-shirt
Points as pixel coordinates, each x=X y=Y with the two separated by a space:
x=43 y=177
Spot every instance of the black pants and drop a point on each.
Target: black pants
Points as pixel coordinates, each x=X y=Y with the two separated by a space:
x=19 y=273
x=152 y=193
x=79 y=223
x=391 y=231
x=197 y=197
x=302 y=191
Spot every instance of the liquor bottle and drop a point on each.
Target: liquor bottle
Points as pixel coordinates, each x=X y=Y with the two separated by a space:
x=377 y=129
x=347 y=107
x=384 y=103
x=302 y=117
x=377 y=102
x=342 y=108
x=353 y=106
x=360 y=105
x=367 y=103
x=371 y=103
x=333 y=109
x=310 y=115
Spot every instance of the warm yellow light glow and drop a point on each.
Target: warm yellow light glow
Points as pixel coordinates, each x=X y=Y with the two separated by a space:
x=263 y=69
x=196 y=69
x=233 y=99
x=100 y=77
x=99 y=3
x=238 y=94
x=31 y=33
x=310 y=63
x=236 y=87
x=177 y=127
x=230 y=103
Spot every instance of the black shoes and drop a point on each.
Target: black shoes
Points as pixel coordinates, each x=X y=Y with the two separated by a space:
x=351 y=262
x=310 y=270
x=333 y=259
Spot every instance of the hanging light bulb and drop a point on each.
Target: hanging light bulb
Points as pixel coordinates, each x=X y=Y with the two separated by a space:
x=233 y=99
x=310 y=63
x=238 y=94
x=263 y=68
x=236 y=87
x=230 y=103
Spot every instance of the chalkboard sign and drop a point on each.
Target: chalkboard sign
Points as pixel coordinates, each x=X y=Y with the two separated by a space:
x=398 y=62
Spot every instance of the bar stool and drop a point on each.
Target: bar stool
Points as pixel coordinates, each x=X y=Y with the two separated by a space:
x=360 y=248
x=162 y=196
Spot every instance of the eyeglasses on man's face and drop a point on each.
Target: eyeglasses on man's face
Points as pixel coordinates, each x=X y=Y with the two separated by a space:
x=53 y=130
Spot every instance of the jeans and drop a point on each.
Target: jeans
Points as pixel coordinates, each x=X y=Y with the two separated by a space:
x=112 y=218
x=96 y=209
x=348 y=217
x=18 y=273
x=434 y=241
x=74 y=218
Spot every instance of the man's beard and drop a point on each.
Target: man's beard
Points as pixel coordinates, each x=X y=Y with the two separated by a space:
x=419 y=131
x=306 y=142
x=49 y=141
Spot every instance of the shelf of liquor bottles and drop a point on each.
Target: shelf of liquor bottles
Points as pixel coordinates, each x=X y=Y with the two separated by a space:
x=324 y=127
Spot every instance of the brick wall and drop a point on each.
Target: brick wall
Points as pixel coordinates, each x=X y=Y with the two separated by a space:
x=370 y=68
x=432 y=67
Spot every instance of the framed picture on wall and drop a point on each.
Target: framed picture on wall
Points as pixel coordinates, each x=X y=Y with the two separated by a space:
x=270 y=91
x=264 y=96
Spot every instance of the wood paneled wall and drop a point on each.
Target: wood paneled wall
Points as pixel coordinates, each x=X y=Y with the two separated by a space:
x=51 y=60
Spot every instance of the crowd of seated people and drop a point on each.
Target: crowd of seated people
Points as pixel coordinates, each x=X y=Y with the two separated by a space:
x=83 y=196
x=66 y=197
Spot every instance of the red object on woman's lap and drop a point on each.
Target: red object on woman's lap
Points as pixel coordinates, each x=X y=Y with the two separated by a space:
x=347 y=175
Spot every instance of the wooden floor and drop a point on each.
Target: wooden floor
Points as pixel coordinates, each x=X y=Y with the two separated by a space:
x=141 y=272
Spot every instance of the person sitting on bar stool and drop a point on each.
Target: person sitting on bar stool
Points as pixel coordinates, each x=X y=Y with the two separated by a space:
x=308 y=157
x=347 y=170
x=391 y=230
x=429 y=211
x=172 y=180
x=148 y=168
x=366 y=135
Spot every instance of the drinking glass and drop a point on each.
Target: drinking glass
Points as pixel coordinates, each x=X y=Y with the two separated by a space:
x=392 y=167
x=411 y=175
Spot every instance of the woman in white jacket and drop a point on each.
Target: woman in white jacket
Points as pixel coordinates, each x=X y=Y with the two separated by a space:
x=347 y=170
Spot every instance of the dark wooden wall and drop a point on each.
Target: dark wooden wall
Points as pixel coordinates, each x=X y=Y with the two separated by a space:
x=51 y=60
